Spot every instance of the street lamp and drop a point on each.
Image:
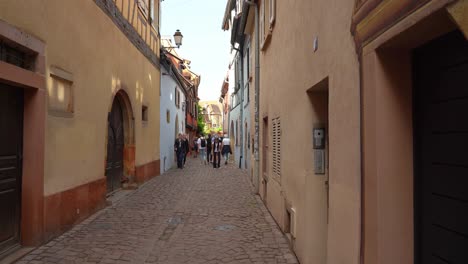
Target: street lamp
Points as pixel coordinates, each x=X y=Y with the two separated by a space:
x=178 y=38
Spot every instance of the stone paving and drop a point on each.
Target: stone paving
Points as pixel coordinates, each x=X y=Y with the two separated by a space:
x=196 y=215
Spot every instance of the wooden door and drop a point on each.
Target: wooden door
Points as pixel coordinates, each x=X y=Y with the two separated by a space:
x=115 y=145
x=441 y=148
x=11 y=137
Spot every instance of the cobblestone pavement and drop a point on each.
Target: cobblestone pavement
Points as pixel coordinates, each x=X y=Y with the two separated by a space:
x=196 y=215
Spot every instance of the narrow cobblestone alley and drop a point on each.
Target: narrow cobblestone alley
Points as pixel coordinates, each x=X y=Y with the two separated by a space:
x=195 y=215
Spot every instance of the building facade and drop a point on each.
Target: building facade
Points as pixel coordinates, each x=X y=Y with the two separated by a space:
x=80 y=104
x=212 y=112
x=308 y=124
x=358 y=133
x=224 y=100
x=413 y=65
x=240 y=76
x=172 y=100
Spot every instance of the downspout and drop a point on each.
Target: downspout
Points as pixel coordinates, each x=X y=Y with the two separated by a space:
x=257 y=95
x=241 y=73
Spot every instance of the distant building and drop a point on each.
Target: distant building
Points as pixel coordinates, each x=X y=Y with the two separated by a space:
x=239 y=82
x=179 y=97
x=212 y=112
x=172 y=100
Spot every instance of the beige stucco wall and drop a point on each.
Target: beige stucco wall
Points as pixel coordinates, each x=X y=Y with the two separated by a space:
x=328 y=226
x=81 y=39
x=388 y=171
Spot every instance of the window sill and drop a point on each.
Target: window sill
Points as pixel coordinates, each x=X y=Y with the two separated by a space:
x=61 y=113
x=266 y=42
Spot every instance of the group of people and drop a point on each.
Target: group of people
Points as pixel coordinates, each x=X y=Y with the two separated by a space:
x=209 y=148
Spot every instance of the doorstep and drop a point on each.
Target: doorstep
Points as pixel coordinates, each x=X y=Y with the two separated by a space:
x=16 y=255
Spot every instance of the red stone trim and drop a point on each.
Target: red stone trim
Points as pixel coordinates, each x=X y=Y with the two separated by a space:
x=24 y=39
x=147 y=171
x=65 y=209
x=375 y=17
x=16 y=76
x=32 y=189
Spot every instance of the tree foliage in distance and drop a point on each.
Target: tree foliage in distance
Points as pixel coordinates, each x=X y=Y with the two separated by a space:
x=200 y=120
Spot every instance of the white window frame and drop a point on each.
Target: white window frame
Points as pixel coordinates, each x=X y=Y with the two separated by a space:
x=262 y=22
x=272 y=12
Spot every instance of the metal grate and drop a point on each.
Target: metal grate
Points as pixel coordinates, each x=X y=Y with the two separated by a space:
x=277 y=146
x=12 y=55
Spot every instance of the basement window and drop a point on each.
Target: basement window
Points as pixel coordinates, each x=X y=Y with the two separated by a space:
x=16 y=56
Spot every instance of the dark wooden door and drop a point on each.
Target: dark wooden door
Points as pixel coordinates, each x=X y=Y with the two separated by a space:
x=441 y=148
x=115 y=145
x=11 y=137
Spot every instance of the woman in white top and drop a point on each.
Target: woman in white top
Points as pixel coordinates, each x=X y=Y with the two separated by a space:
x=226 y=150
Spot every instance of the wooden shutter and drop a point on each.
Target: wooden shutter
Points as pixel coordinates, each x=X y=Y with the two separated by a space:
x=276 y=146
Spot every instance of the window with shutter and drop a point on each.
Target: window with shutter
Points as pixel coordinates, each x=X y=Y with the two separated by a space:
x=262 y=22
x=276 y=146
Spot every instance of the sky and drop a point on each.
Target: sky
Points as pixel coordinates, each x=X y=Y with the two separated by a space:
x=205 y=44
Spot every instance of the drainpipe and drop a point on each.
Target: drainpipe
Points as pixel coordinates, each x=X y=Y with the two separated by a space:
x=257 y=94
x=241 y=73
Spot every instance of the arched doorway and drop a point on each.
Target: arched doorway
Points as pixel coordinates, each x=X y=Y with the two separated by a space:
x=120 y=159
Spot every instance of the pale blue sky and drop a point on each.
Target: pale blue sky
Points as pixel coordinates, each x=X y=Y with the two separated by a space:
x=204 y=42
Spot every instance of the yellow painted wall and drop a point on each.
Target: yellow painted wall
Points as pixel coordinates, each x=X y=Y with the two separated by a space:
x=328 y=226
x=81 y=39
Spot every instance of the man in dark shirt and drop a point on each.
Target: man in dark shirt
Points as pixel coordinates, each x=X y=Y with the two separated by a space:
x=186 y=147
x=208 y=149
x=179 y=149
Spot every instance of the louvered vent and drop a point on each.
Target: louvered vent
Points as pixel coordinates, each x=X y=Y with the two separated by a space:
x=277 y=146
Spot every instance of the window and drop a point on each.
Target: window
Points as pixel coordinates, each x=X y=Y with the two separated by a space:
x=177 y=98
x=144 y=113
x=276 y=146
x=151 y=11
x=61 y=93
x=267 y=20
x=237 y=133
x=262 y=22
x=143 y=5
x=272 y=12
x=168 y=116
x=15 y=56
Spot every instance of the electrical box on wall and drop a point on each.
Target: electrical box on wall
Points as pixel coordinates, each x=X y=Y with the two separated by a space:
x=319 y=150
x=319 y=138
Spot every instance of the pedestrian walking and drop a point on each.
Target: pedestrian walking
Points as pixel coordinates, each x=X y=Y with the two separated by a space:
x=179 y=149
x=186 y=146
x=202 y=149
x=195 y=147
x=208 y=149
x=226 y=149
x=216 y=152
